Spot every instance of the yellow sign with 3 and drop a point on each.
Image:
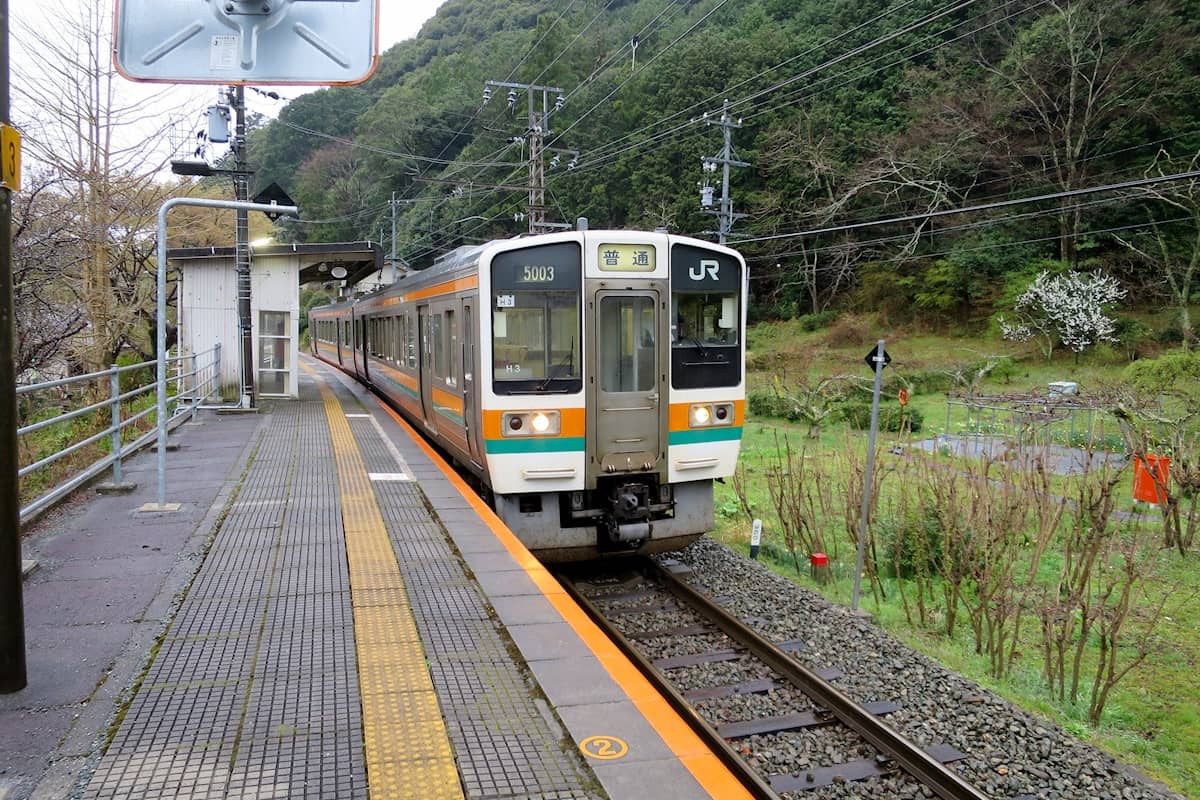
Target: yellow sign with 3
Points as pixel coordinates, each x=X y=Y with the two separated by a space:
x=604 y=748
x=10 y=154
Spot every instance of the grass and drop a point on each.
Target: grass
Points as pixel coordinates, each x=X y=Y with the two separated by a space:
x=1153 y=717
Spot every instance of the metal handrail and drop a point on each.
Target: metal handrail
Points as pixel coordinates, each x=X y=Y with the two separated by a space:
x=192 y=385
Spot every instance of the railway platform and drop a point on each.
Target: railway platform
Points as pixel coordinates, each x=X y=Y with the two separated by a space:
x=331 y=614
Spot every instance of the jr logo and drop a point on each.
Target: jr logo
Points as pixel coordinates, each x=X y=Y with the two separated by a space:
x=707 y=266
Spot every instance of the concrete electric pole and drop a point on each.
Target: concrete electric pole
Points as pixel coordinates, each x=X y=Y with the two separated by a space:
x=538 y=130
x=726 y=159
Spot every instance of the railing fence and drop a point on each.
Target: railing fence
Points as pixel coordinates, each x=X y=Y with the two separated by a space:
x=192 y=380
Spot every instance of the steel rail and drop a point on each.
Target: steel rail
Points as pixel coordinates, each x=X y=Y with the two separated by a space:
x=750 y=779
x=904 y=752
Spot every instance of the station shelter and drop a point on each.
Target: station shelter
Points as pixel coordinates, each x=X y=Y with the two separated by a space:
x=208 y=304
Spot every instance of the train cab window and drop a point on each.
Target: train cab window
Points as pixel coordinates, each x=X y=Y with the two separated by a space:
x=536 y=336
x=706 y=318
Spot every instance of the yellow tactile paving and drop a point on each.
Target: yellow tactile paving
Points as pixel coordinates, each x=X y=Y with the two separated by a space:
x=407 y=748
x=415 y=781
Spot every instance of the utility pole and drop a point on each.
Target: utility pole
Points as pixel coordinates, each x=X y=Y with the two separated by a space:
x=726 y=158
x=241 y=192
x=393 y=256
x=12 y=608
x=538 y=130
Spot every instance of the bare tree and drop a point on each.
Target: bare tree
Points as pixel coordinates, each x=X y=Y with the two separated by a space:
x=1173 y=250
x=77 y=123
x=48 y=315
x=1075 y=80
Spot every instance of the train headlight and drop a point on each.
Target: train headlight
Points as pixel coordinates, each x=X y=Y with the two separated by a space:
x=706 y=415
x=530 y=423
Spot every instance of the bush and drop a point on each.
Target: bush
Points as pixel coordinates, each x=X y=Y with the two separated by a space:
x=814 y=322
x=765 y=403
x=925 y=381
x=1175 y=371
x=847 y=332
x=911 y=546
x=1170 y=335
x=892 y=418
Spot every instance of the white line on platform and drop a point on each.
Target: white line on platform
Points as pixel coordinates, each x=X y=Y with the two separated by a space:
x=388 y=476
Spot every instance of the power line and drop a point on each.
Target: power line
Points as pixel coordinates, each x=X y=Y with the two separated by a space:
x=984 y=207
x=740 y=84
x=1039 y=240
x=656 y=56
x=932 y=232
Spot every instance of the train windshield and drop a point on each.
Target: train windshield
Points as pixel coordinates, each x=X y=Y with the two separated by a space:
x=536 y=336
x=706 y=315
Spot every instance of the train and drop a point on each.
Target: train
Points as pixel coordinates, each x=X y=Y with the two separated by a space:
x=590 y=382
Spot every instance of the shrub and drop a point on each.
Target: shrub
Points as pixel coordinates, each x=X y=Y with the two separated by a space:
x=814 y=322
x=847 y=332
x=926 y=381
x=893 y=418
x=911 y=545
x=765 y=403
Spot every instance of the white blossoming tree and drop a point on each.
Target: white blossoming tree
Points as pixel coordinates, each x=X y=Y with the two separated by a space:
x=1068 y=309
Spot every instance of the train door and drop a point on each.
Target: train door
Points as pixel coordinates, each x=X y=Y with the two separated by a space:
x=470 y=410
x=626 y=414
x=425 y=367
x=365 y=350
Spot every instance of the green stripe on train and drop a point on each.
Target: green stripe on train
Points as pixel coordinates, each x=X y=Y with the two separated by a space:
x=565 y=444
x=702 y=435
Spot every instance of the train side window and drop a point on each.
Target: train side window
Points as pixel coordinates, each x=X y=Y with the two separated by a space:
x=439 y=347
x=410 y=341
x=452 y=350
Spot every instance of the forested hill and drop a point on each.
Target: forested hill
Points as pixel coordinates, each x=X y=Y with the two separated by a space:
x=850 y=110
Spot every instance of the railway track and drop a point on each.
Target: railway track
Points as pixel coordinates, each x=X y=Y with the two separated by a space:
x=676 y=634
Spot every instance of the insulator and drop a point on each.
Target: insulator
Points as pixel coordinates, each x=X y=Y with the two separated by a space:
x=512 y=99
x=559 y=102
x=554 y=161
x=573 y=163
x=487 y=94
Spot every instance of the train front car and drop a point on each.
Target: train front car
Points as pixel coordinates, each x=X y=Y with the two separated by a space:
x=617 y=380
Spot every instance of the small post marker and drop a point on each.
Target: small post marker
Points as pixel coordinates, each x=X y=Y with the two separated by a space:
x=755 y=538
x=818 y=567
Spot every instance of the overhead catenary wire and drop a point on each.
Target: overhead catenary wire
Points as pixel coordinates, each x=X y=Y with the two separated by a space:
x=720 y=4
x=1190 y=175
x=711 y=99
x=791 y=80
x=863 y=244
x=761 y=275
x=599 y=157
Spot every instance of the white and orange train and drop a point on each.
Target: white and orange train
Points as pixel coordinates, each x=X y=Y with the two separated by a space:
x=592 y=381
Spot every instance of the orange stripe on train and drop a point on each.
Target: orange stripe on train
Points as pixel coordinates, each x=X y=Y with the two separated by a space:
x=574 y=422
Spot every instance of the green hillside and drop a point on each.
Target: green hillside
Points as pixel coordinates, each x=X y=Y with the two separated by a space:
x=850 y=112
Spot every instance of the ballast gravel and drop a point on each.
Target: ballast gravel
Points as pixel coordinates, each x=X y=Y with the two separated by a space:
x=1010 y=753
